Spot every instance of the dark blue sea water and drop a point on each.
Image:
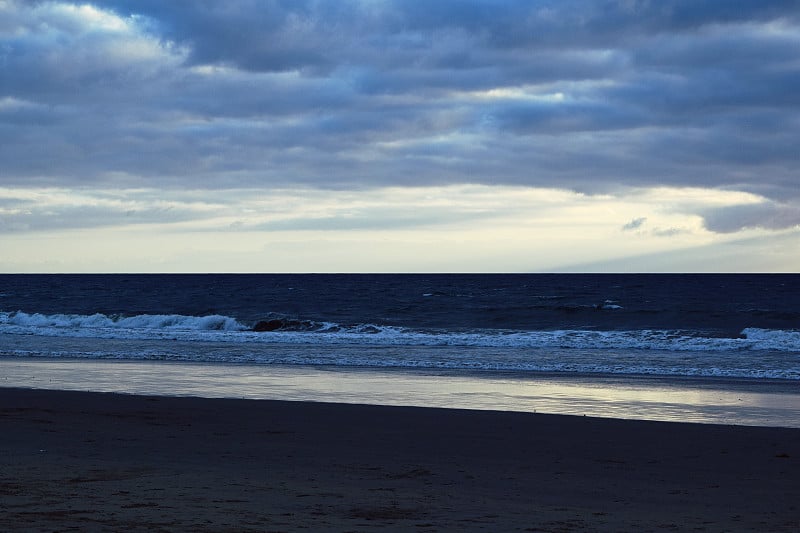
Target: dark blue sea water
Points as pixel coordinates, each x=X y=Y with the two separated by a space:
x=729 y=326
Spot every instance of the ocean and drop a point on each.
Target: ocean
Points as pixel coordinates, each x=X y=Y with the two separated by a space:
x=726 y=332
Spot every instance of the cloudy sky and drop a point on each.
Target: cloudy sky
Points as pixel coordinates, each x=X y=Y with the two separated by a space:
x=399 y=135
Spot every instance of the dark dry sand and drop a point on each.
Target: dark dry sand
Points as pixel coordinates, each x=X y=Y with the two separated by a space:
x=88 y=461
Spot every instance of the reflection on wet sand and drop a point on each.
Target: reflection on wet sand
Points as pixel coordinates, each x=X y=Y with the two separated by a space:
x=739 y=402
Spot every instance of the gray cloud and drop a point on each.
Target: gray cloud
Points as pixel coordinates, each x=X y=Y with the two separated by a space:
x=767 y=215
x=636 y=223
x=588 y=95
x=278 y=35
x=28 y=214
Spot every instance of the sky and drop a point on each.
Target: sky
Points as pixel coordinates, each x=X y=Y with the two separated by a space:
x=399 y=136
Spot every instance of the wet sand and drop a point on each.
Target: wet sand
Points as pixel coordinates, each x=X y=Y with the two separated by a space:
x=95 y=461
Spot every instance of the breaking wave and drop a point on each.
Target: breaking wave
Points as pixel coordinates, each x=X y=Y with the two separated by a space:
x=219 y=328
x=19 y=322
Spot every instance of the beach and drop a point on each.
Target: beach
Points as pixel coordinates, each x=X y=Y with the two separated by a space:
x=99 y=461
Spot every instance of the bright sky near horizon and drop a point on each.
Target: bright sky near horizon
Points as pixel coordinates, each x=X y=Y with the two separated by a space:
x=399 y=135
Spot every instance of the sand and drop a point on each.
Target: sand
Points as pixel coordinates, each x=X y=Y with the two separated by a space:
x=107 y=462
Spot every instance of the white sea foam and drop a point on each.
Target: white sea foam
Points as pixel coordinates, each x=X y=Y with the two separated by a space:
x=86 y=325
x=757 y=353
x=218 y=328
x=772 y=339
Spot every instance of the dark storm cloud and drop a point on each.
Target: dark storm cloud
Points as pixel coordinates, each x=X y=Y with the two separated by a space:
x=588 y=95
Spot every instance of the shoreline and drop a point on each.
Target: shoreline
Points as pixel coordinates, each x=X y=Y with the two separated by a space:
x=699 y=400
x=137 y=462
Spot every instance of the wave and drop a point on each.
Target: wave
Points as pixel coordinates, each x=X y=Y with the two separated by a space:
x=36 y=322
x=755 y=353
x=220 y=328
